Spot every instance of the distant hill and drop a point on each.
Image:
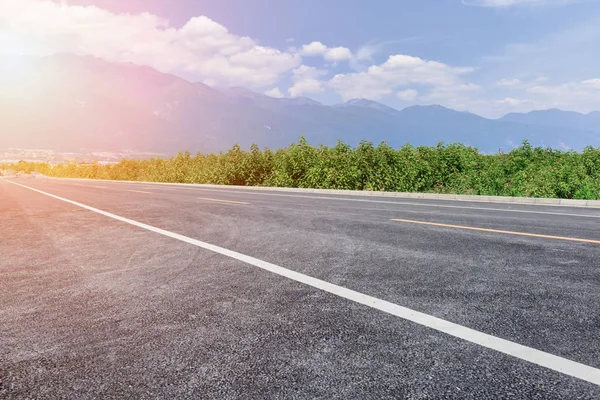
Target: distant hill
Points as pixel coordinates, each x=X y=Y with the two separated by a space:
x=73 y=103
x=554 y=117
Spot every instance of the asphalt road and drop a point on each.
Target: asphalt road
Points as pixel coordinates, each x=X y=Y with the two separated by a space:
x=96 y=307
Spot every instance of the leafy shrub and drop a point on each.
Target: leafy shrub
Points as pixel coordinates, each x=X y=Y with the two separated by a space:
x=445 y=168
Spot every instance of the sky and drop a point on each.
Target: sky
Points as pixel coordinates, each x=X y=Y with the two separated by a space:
x=489 y=57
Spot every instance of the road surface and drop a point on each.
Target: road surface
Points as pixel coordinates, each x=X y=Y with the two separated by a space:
x=130 y=290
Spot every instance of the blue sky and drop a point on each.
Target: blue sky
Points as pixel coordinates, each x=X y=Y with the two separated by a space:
x=486 y=56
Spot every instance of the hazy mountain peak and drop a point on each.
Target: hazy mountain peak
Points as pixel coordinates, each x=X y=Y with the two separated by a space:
x=300 y=101
x=433 y=108
x=430 y=107
x=555 y=117
x=556 y=111
x=240 y=91
x=361 y=102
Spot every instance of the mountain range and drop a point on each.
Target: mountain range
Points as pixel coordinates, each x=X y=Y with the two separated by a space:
x=68 y=102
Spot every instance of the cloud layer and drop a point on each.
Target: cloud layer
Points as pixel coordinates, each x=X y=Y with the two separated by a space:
x=207 y=51
x=398 y=72
x=201 y=47
x=306 y=81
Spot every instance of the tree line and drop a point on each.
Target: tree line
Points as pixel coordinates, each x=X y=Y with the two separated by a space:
x=446 y=168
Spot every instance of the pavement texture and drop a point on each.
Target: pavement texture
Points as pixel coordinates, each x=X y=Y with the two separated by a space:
x=91 y=307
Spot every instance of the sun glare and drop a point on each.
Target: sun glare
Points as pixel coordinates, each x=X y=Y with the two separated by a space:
x=16 y=78
x=12 y=62
x=13 y=58
x=11 y=48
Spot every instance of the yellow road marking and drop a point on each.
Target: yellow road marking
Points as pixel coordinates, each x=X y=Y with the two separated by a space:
x=223 y=201
x=139 y=191
x=472 y=228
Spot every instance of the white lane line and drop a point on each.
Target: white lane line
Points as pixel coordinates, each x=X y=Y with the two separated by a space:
x=138 y=191
x=223 y=200
x=89 y=186
x=398 y=203
x=538 y=357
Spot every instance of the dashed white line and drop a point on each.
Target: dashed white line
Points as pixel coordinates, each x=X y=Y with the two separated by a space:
x=139 y=191
x=538 y=357
x=399 y=203
x=248 y=191
x=223 y=201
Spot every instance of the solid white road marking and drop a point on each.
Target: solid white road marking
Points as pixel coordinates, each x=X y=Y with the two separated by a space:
x=538 y=357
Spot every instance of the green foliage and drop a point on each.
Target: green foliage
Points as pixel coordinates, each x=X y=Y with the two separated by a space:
x=445 y=168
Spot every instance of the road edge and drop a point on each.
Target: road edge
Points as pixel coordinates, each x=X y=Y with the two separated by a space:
x=405 y=195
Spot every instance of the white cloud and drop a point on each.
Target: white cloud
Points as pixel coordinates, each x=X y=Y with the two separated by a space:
x=510 y=3
x=508 y=82
x=398 y=71
x=333 y=54
x=581 y=96
x=367 y=51
x=201 y=46
x=313 y=49
x=459 y=96
x=275 y=92
x=515 y=102
x=592 y=83
x=407 y=95
x=533 y=95
x=564 y=88
x=363 y=57
x=306 y=80
x=512 y=104
x=565 y=52
x=338 y=54
x=516 y=83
